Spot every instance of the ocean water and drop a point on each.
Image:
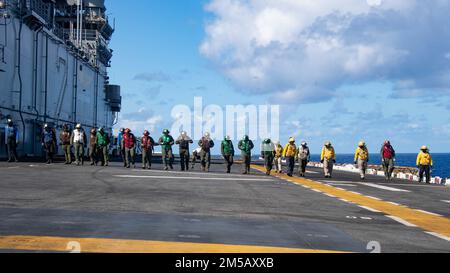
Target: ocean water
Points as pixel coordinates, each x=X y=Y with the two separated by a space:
x=441 y=162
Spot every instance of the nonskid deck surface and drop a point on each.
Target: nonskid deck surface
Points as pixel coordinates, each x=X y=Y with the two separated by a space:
x=44 y=208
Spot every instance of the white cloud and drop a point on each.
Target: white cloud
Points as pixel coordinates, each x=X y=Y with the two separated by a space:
x=303 y=50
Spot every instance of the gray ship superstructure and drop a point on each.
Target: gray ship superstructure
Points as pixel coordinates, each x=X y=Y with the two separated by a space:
x=54 y=57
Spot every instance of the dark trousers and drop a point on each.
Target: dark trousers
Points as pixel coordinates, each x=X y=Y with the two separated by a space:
x=184 y=159
x=247 y=160
x=11 y=145
x=229 y=160
x=167 y=157
x=122 y=154
x=425 y=170
x=147 y=158
x=303 y=164
x=49 y=151
x=291 y=165
x=268 y=162
x=206 y=159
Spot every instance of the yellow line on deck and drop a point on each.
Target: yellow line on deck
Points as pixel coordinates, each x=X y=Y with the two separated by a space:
x=96 y=245
x=428 y=222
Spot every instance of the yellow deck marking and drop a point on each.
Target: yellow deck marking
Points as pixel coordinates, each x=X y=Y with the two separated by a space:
x=428 y=222
x=96 y=245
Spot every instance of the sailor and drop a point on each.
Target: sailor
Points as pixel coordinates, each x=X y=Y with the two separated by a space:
x=388 y=159
x=278 y=157
x=362 y=158
x=195 y=156
x=328 y=158
x=65 y=142
x=246 y=146
x=304 y=156
x=121 y=147
x=11 y=140
x=268 y=154
x=48 y=141
x=290 y=153
x=93 y=147
x=227 y=151
x=425 y=164
x=102 y=144
x=129 y=143
x=148 y=148
x=166 y=141
x=78 y=142
x=206 y=143
x=183 y=142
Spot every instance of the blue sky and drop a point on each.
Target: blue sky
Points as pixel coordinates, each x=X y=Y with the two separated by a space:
x=341 y=71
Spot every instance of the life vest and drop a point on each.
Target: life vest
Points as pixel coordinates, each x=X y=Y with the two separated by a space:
x=246 y=146
x=303 y=153
x=290 y=150
x=48 y=136
x=388 y=152
x=65 y=138
x=278 y=151
x=78 y=136
x=328 y=153
x=128 y=140
x=227 y=147
x=147 y=143
x=424 y=159
x=101 y=140
x=206 y=144
x=10 y=132
x=166 y=141
x=362 y=153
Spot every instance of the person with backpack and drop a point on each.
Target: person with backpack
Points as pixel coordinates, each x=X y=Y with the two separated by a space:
x=328 y=159
x=304 y=156
x=11 y=140
x=278 y=157
x=290 y=153
x=184 y=141
x=78 y=141
x=206 y=143
x=93 y=147
x=424 y=164
x=65 y=138
x=102 y=143
x=148 y=148
x=268 y=154
x=388 y=159
x=227 y=151
x=246 y=146
x=166 y=141
x=48 y=141
x=362 y=158
x=129 y=143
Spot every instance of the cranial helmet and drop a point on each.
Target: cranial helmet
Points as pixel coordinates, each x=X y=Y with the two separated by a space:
x=78 y=126
x=424 y=148
x=146 y=133
x=166 y=132
x=267 y=141
x=291 y=140
x=362 y=143
x=227 y=138
x=328 y=143
x=304 y=144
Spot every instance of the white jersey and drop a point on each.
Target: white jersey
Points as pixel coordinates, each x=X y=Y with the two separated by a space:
x=78 y=136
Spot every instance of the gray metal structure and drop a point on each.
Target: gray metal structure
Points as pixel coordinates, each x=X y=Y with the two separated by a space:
x=54 y=56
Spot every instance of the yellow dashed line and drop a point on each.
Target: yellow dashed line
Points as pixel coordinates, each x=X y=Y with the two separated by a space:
x=96 y=245
x=428 y=222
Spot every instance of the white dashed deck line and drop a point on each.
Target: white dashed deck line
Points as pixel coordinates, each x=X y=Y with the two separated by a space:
x=354 y=192
x=316 y=190
x=191 y=178
x=370 y=209
x=383 y=187
x=401 y=221
x=446 y=201
x=329 y=195
x=440 y=236
x=393 y=203
x=430 y=213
